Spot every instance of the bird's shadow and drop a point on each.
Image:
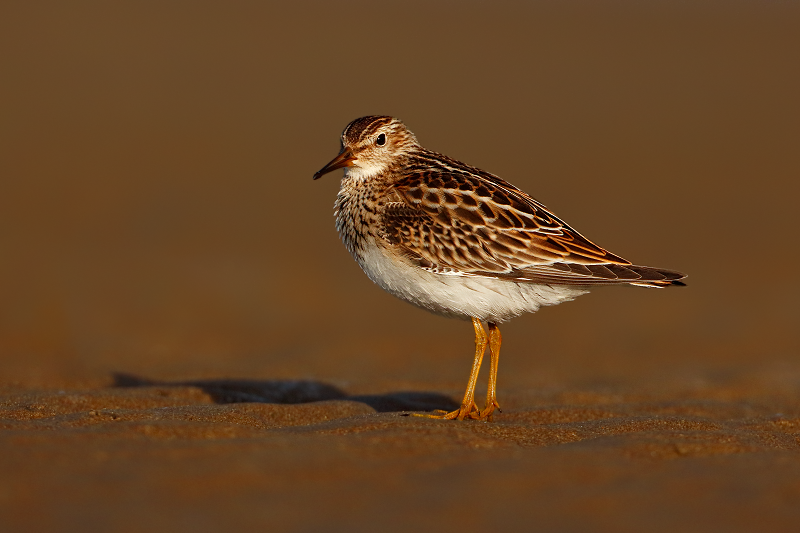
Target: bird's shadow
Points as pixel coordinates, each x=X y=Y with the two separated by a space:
x=293 y=392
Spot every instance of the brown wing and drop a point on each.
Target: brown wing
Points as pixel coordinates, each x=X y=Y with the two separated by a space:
x=457 y=220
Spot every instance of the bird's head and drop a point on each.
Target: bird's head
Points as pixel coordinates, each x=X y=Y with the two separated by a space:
x=370 y=145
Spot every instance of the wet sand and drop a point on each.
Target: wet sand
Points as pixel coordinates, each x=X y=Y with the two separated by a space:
x=185 y=345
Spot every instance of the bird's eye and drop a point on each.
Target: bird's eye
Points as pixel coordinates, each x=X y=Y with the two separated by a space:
x=381 y=140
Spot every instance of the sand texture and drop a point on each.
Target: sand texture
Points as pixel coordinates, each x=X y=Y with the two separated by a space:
x=131 y=458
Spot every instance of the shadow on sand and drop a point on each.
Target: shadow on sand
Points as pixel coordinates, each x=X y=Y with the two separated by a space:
x=294 y=391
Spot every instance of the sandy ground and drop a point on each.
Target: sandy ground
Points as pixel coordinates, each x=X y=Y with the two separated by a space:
x=239 y=455
x=186 y=346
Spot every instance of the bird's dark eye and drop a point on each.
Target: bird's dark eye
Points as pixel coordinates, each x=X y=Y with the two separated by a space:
x=381 y=140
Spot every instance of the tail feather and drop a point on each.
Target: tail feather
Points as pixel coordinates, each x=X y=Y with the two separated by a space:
x=656 y=277
x=600 y=274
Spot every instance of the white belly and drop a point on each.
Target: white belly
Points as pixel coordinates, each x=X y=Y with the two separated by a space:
x=459 y=296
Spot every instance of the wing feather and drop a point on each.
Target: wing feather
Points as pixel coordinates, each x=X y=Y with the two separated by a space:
x=453 y=218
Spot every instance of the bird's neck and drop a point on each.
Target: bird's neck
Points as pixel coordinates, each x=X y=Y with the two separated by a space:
x=356 y=213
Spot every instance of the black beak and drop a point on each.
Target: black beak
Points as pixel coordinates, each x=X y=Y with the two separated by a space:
x=344 y=159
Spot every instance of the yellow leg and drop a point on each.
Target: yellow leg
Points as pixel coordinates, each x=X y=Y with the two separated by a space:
x=495 y=340
x=468 y=408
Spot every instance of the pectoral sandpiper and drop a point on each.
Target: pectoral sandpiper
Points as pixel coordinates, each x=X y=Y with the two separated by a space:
x=460 y=242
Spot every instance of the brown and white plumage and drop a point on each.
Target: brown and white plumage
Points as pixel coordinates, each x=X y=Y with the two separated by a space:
x=458 y=241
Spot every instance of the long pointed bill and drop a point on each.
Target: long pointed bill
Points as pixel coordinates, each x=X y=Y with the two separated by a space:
x=344 y=159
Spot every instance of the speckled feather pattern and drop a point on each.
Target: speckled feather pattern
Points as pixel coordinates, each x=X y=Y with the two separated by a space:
x=459 y=241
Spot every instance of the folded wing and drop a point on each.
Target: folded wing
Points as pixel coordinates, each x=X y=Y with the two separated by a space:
x=465 y=221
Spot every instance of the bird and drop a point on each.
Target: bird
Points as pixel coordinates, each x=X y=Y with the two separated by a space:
x=460 y=242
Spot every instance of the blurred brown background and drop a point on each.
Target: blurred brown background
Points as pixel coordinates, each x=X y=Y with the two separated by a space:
x=158 y=219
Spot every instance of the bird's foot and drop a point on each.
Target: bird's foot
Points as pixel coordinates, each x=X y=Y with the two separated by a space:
x=464 y=412
x=486 y=413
